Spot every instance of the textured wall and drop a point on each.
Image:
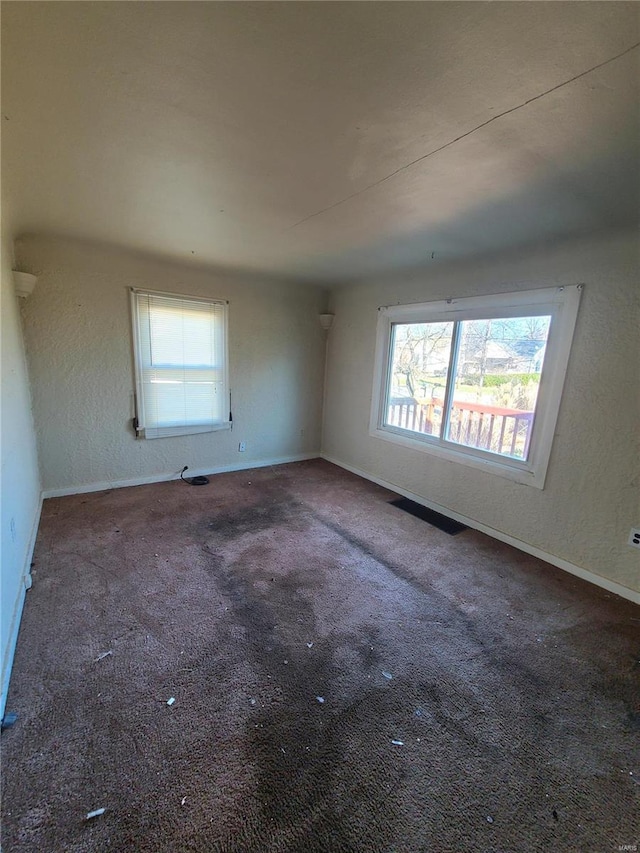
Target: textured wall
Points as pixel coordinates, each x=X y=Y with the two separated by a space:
x=20 y=493
x=78 y=341
x=591 y=497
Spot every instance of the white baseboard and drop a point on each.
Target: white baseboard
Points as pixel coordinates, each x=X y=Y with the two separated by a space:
x=25 y=582
x=578 y=571
x=174 y=475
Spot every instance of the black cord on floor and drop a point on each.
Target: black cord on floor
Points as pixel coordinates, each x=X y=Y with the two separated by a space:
x=193 y=481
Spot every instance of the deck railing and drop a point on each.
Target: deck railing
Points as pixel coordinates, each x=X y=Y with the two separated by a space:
x=494 y=428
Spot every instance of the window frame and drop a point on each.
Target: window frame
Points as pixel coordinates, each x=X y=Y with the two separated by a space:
x=142 y=431
x=561 y=303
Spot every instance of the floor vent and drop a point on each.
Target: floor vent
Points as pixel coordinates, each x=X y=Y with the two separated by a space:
x=442 y=522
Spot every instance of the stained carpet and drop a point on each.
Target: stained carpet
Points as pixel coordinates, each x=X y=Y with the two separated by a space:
x=346 y=678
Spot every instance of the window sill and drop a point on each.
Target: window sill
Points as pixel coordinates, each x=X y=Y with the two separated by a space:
x=519 y=472
x=171 y=432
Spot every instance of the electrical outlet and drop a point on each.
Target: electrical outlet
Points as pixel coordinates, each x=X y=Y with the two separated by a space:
x=242 y=447
x=634 y=537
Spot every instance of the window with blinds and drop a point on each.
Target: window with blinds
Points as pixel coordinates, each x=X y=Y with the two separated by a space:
x=180 y=345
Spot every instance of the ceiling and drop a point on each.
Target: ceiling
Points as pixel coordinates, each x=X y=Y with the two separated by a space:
x=325 y=141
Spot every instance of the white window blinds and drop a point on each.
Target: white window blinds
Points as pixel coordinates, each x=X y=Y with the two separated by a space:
x=181 y=364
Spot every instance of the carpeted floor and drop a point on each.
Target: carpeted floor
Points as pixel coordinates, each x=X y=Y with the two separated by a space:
x=346 y=678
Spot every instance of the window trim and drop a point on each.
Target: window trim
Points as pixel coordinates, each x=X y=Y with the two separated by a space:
x=139 y=420
x=560 y=302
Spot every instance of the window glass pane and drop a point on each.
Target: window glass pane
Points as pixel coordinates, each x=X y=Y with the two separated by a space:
x=418 y=375
x=180 y=336
x=496 y=383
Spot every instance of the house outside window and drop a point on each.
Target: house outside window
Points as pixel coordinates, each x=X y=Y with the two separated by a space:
x=476 y=380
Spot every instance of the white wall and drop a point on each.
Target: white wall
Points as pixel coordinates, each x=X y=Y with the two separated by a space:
x=591 y=497
x=20 y=481
x=78 y=341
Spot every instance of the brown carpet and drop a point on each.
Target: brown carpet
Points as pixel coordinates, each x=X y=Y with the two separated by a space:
x=511 y=685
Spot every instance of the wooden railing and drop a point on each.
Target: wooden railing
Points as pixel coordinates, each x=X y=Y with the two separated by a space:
x=494 y=428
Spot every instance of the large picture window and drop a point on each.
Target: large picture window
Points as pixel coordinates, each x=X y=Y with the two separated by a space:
x=180 y=348
x=476 y=380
